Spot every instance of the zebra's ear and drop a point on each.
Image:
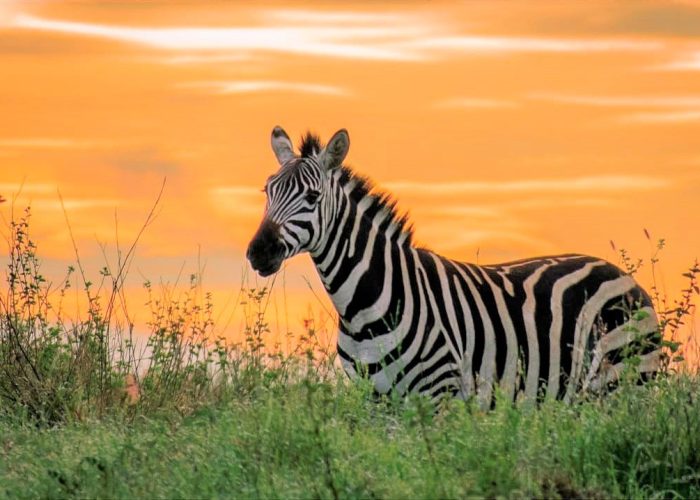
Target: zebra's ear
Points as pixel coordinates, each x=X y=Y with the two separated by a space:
x=281 y=145
x=334 y=153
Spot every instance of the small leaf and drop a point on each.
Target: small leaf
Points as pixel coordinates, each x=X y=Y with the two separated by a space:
x=640 y=315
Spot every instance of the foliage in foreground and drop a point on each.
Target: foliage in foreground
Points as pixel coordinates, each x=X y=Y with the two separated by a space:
x=55 y=369
x=213 y=419
x=329 y=439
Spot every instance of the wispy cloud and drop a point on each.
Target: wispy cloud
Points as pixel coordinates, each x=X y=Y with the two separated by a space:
x=540 y=203
x=144 y=159
x=475 y=103
x=44 y=196
x=336 y=41
x=202 y=59
x=575 y=184
x=47 y=143
x=245 y=191
x=504 y=210
x=501 y=44
x=8 y=188
x=340 y=17
x=239 y=200
x=676 y=109
x=452 y=240
x=689 y=63
x=662 y=118
x=621 y=101
x=340 y=34
x=75 y=204
x=255 y=86
x=473 y=211
x=8 y=9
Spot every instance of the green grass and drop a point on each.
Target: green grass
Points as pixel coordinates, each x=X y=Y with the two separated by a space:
x=211 y=419
x=328 y=439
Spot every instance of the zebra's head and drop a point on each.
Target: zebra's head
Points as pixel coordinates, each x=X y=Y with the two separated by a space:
x=297 y=201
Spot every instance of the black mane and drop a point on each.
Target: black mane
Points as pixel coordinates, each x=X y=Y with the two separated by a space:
x=364 y=188
x=310 y=145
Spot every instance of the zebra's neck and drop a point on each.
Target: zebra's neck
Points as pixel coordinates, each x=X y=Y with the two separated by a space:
x=361 y=259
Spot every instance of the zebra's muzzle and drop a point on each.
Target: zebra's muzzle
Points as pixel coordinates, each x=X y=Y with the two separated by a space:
x=266 y=269
x=266 y=251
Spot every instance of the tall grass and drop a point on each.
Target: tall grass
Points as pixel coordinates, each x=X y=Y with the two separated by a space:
x=673 y=314
x=86 y=410
x=54 y=369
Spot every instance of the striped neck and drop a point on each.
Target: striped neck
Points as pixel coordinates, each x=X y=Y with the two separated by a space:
x=359 y=258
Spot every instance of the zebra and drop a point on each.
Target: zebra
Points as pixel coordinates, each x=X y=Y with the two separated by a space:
x=413 y=321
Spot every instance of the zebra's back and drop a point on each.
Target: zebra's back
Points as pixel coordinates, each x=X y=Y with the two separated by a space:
x=549 y=326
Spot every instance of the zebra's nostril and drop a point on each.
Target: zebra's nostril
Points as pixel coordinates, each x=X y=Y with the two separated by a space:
x=264 y=249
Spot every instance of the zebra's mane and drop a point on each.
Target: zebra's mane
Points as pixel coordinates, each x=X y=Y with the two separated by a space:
x=311 y=145
x=364 y=188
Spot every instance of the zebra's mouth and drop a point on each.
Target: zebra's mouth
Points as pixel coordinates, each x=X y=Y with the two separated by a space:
x=269 y=269
x=266 y=251
x=266 y=265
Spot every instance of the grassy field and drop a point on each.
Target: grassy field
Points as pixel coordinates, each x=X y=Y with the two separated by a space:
x=82 y=414
x=331 y=440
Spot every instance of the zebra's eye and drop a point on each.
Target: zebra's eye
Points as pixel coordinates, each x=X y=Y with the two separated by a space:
x=312 y=197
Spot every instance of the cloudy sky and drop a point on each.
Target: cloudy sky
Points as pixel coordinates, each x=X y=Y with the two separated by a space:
x=506 y=130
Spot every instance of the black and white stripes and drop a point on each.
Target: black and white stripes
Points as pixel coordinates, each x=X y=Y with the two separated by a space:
x=414 y=321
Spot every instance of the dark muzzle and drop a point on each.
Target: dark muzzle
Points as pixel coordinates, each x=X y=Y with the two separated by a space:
x=266 y=251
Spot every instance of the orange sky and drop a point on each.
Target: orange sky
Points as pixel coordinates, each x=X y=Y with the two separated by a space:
x=505 y=129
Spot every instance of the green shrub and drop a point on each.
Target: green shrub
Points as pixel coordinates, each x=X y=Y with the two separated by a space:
x=213 y=419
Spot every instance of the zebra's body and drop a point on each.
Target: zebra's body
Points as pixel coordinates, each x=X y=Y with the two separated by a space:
x=414 y=321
